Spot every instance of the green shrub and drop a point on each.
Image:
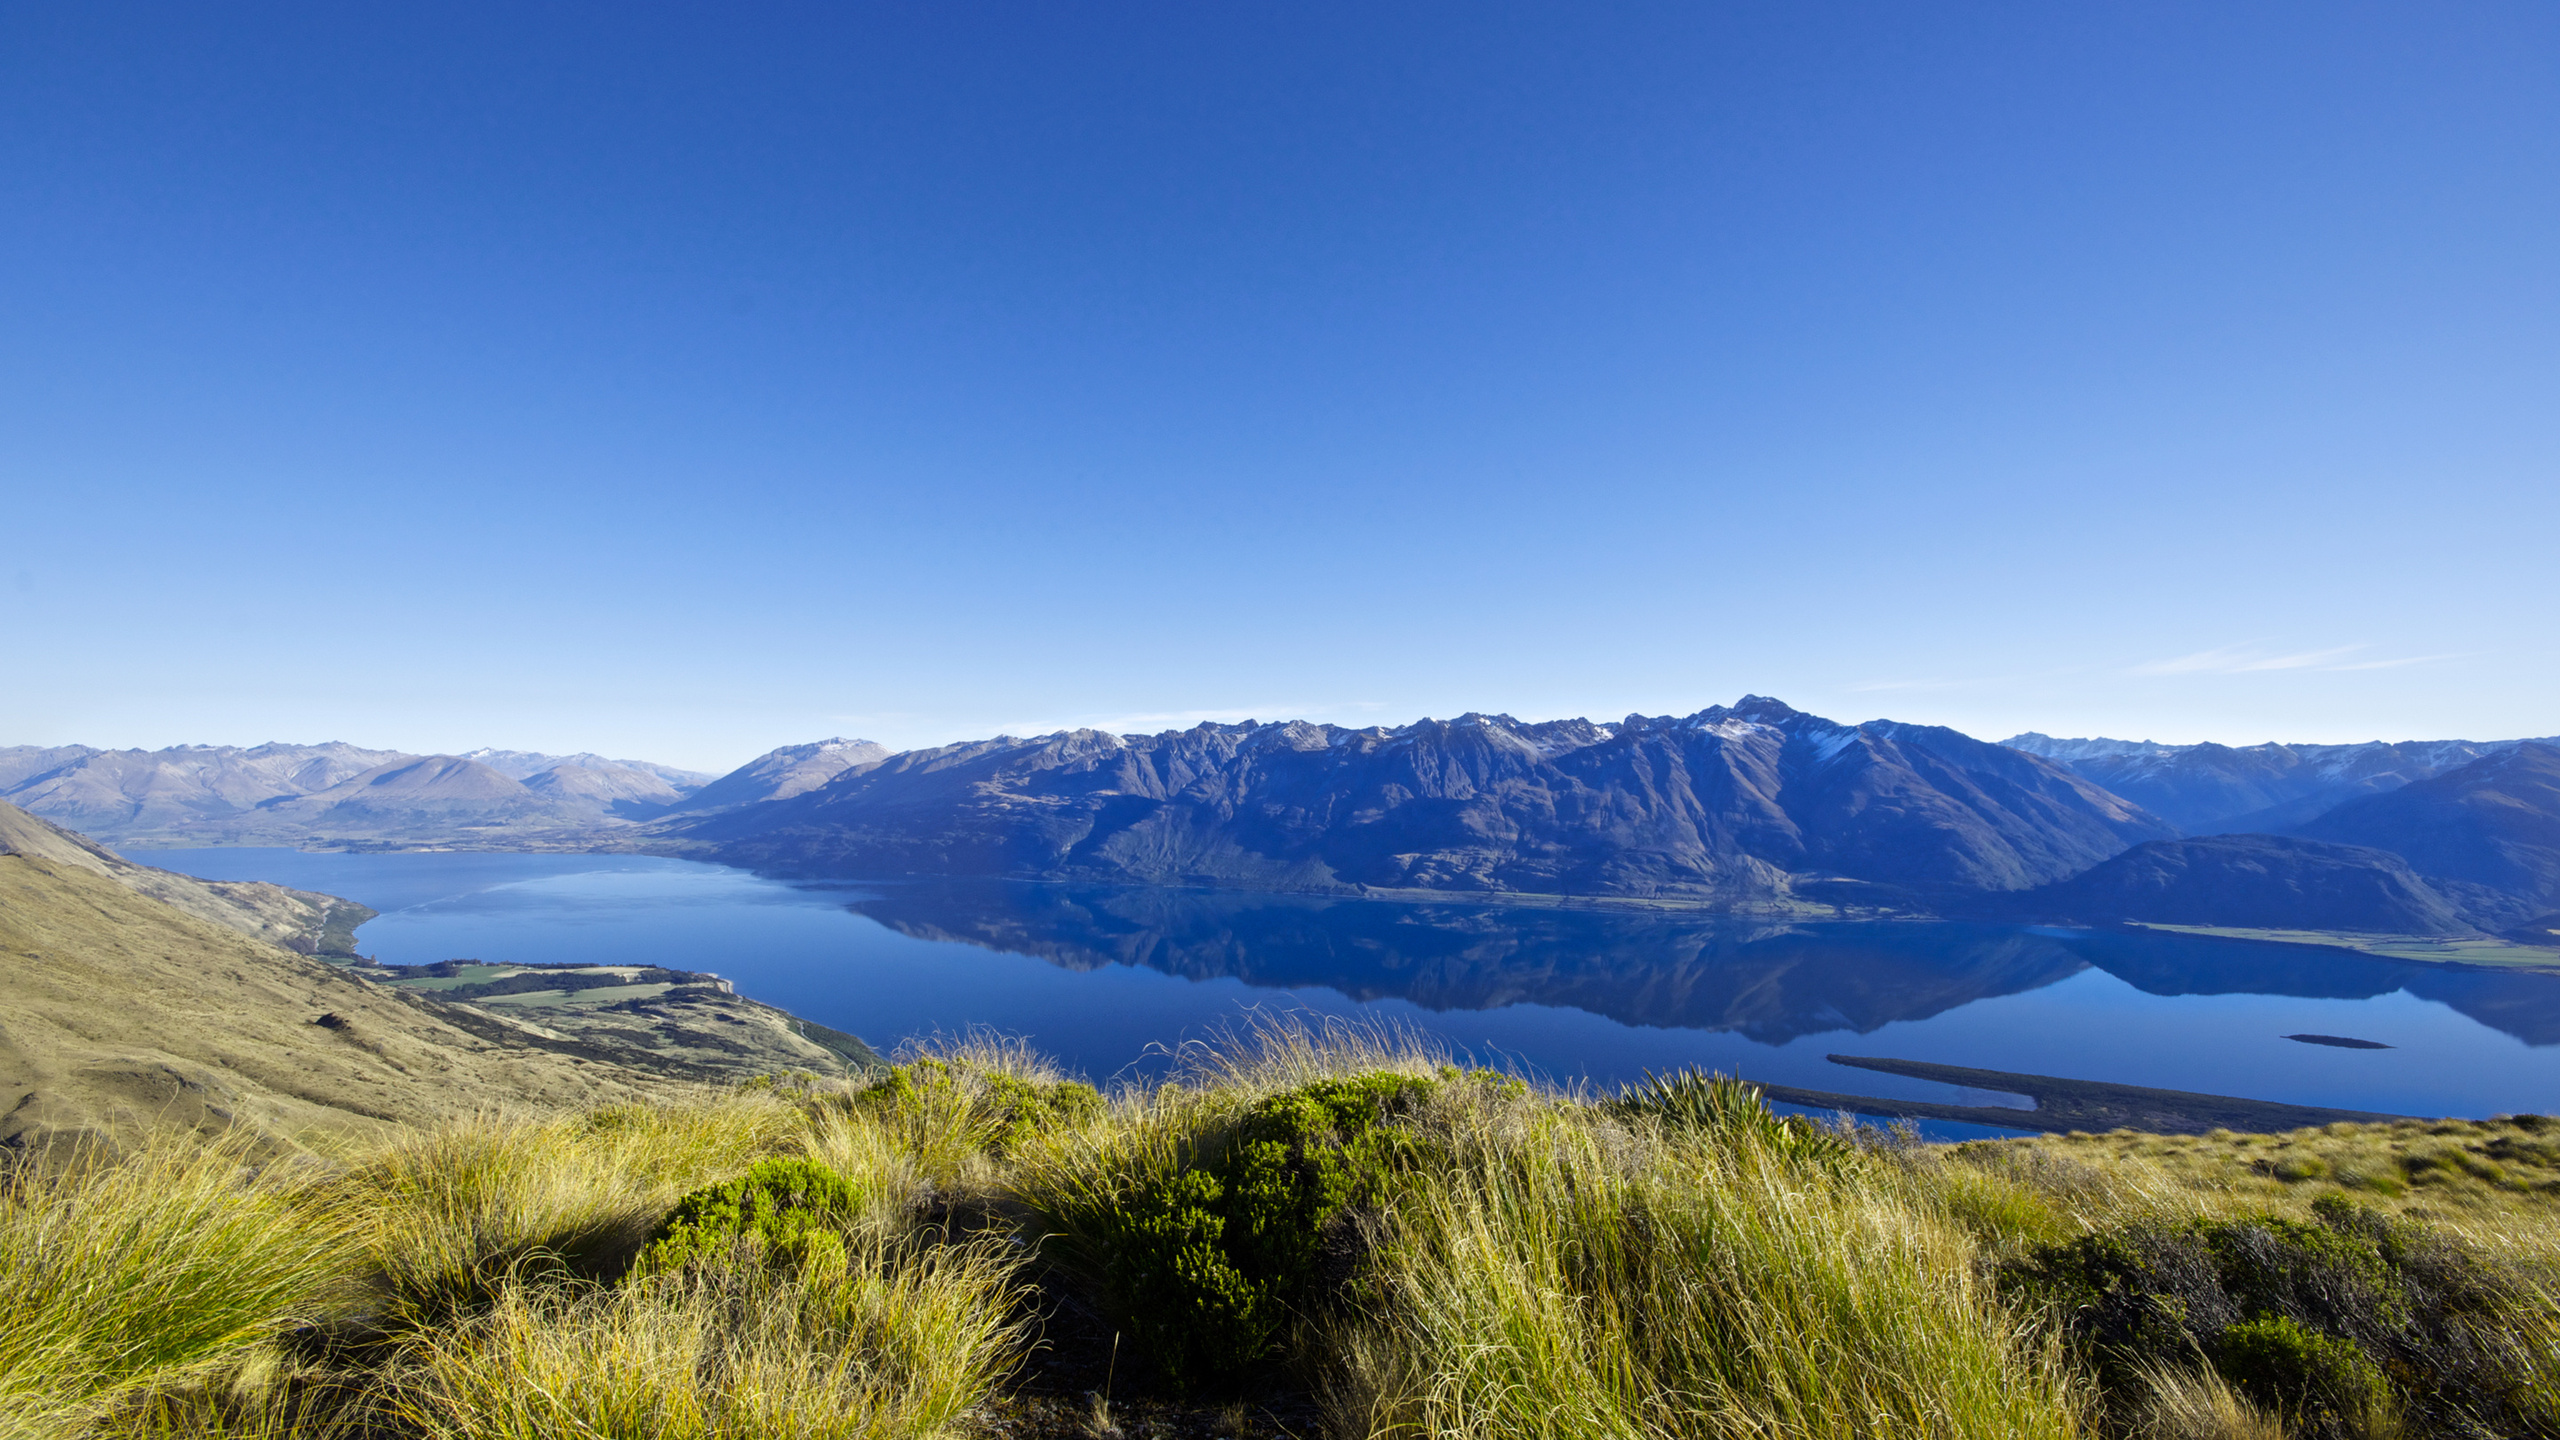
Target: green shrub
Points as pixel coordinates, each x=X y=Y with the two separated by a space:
x=784 y=1212
x=2326 y=1383
x=2326 y=1321
x=1208 y=1261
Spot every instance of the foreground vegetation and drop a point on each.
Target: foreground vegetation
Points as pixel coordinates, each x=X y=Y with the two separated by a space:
x=1301 y=1233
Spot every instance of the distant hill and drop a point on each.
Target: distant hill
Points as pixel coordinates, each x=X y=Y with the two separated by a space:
x=1755 y=803
x=620 y=790
x=274 y=794
x=2494 y=822
x=2259 y=882
x=110 y=792
x=2223 y=789
x=526 y=764
x=784 y=773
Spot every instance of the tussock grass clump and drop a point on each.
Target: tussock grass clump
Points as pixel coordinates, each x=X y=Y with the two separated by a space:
x=175 y=1263
x=1299 y=1213
x=896 y=1337
x=1571 y=1274
x=468 y=1210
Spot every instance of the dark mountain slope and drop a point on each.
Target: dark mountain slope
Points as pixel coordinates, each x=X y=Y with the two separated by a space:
x=2223 y=789
x=1733 y=804
x=2493 y=822
x=2254 y=881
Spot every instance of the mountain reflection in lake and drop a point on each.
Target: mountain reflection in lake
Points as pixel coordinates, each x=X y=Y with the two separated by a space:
x=1107 y=979
x=1771 y=980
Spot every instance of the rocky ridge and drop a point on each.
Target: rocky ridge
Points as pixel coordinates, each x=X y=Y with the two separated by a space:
x=1756 y=803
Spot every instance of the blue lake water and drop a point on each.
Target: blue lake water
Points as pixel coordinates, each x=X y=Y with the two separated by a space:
x=1104 y=979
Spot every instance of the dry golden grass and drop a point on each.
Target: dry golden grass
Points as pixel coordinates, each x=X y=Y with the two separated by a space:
x=2496 y=1182
x=1540 y=1266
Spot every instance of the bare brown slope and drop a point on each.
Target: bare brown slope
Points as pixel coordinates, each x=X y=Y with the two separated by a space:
x=118 y=1009
x=303 y=921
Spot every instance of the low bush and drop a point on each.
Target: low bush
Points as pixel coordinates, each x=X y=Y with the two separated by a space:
x=2327 y=1383
x=786 y=1212
x=1207 y=1260
x=2331 y=1322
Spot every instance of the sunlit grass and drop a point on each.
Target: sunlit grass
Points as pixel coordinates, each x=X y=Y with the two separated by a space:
x=1505 y=1260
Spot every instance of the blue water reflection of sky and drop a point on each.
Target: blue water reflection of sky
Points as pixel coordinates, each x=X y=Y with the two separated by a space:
x=804 y=949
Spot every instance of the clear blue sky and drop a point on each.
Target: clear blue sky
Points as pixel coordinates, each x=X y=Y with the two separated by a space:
x=679 y=382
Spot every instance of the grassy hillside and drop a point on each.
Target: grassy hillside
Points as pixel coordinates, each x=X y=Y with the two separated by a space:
x=118 y=1010
x=302 y=921
x=132 y=997
x=1300 y=1235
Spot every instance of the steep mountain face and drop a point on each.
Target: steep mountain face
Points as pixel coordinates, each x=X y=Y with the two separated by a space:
x=2222 y=789
x=1745 y=804
x=2258 y=882
x=2493 y=822
x=782 y=774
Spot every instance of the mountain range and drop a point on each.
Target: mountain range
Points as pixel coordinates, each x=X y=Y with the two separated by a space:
x=1756 y=805
x=1753 y=803
x=2224 y=789
x=1752 y=806
x=289 y=794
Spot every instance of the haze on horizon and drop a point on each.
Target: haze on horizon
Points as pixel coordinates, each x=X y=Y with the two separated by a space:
x=677 y=383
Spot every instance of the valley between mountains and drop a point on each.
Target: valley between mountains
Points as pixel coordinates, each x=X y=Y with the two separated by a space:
x=1754 y=807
